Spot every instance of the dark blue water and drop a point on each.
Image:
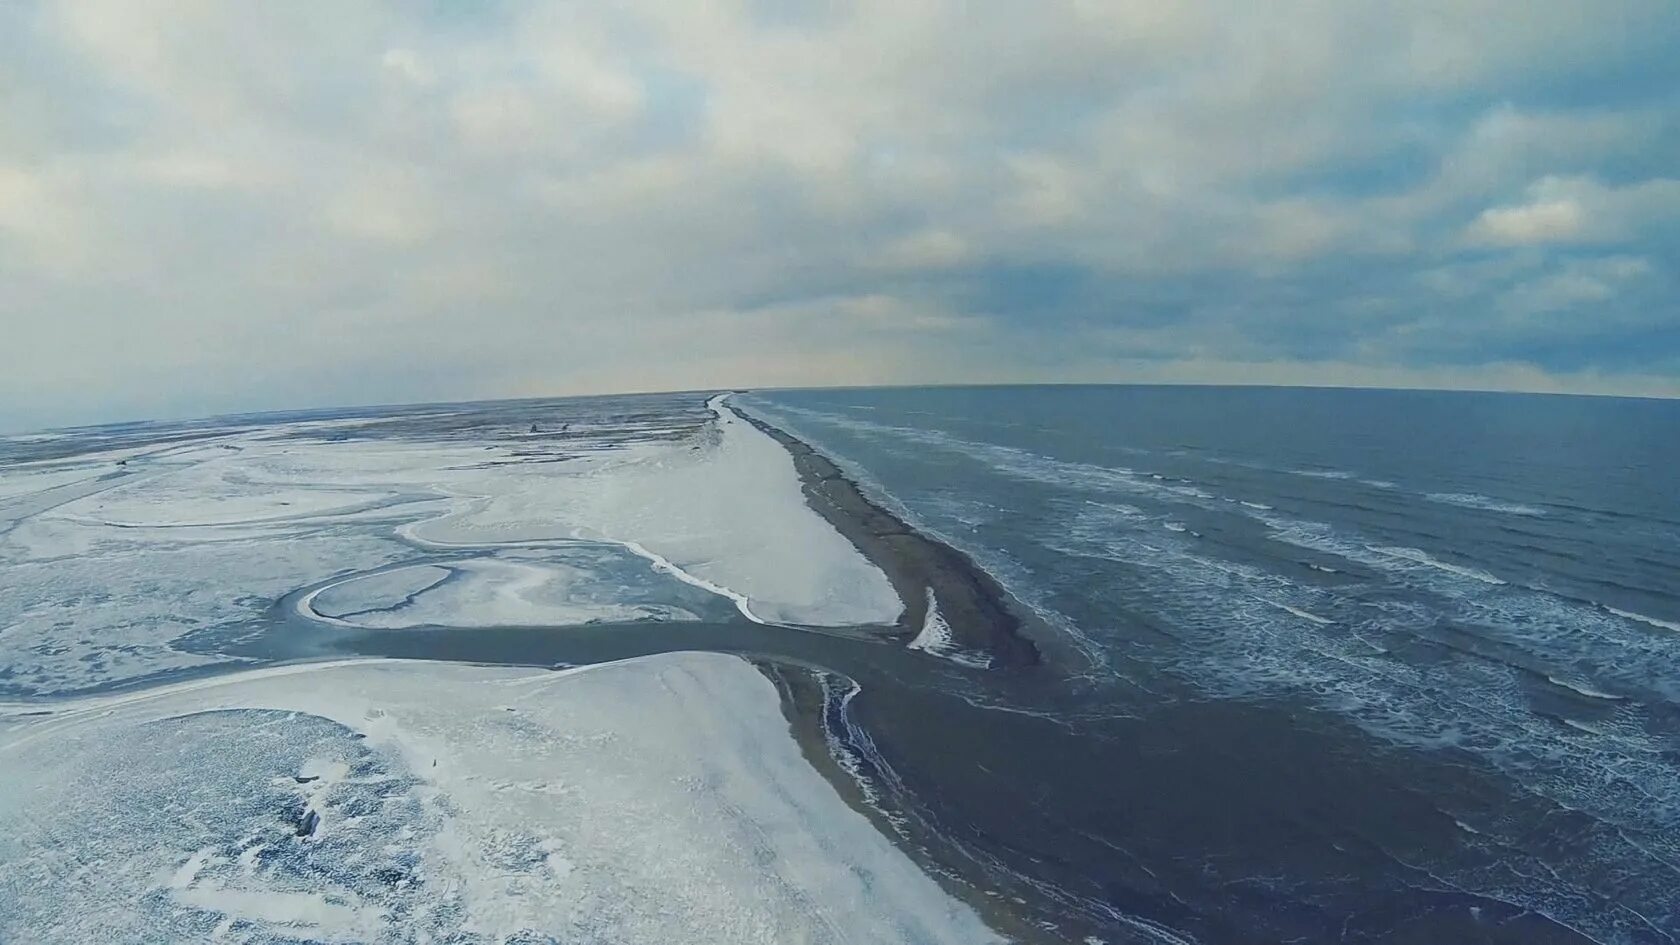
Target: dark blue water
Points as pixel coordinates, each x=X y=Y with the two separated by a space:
x=1439 y=631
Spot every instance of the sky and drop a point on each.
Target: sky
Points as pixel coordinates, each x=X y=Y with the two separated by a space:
x=210 y=207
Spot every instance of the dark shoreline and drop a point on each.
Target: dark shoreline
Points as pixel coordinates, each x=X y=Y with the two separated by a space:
x=983 y=617
x=806 y=706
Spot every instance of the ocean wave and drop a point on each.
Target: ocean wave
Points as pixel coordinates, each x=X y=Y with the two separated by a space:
x=1641 y=618
x=935 y=639
x=1022 y=464
x=1222 y=626
x=1324 y=473
x=1473 y=500
x=1428 y=560
x=1303 y=614
x=1583 y=689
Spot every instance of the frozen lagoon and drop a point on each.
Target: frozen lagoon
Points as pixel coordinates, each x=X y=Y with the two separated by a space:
x=120 y=561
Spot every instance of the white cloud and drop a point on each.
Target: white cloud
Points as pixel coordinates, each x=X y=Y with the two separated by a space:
x=1544 y=221
x=44 y=223
x=382 y=214
x=926 y=249
x=409 y=66
x=468 y=201
x=1577 y=285
x=1578 y=209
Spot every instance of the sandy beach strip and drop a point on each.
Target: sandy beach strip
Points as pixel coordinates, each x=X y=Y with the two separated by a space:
x=981 y=614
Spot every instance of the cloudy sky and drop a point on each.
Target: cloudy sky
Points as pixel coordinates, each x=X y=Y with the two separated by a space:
x=210 y=206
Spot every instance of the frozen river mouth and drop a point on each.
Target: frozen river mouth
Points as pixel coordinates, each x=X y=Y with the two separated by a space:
x=191 y=753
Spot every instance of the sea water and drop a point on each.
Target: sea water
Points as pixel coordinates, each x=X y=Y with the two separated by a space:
x=1436 y=631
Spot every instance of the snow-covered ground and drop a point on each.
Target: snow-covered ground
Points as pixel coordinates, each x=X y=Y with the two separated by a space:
x=655 y=800
x=109 y=559
x=727 y=510
x=561 y=590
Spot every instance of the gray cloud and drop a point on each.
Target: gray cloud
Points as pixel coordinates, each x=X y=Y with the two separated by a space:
x=211 y=207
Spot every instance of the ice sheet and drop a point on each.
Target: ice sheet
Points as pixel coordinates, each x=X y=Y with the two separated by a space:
x=655 y=800
x=105 y=576
x=728 y=510
x=22 y=482
x=111 y=605
x=485 y=592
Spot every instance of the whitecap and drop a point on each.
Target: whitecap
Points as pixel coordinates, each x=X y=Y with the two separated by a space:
x=1424 y=558
x=1583 y=689
x=1472 y=500
x=935 y=638
x=1641 y=618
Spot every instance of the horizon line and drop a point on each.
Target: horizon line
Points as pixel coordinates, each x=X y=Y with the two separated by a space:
x=950 y=385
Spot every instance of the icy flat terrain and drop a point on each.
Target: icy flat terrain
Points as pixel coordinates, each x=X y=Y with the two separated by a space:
x=556 y=590
x=126 y=554
x=727 y=511
x=152 y=789
x=654 y=800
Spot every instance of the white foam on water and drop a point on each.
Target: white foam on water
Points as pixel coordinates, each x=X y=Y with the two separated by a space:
x=1472 y=500
x=1641 y=618
x=1303 y=614
x=1428 y=560
x=935 y=638
x=935 y=635
x=1323 y=473
x=1583 y=689
x=1230 y=639
x=654 y=800
x=1580 y=726
x=1024 y=464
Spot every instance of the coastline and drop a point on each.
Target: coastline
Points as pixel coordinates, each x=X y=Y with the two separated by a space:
x=805 y=705
x=981 y=615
